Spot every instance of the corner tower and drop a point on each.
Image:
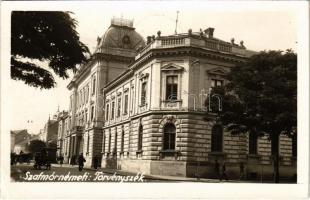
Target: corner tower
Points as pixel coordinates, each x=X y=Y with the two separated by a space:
x=115 y=50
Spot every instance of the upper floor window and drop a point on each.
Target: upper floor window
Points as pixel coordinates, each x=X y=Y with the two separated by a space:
x=126 y=104
x=107 y=112
x=252 y=143
x=216 y=83
x=86 y=115
x=94 y=85
x=169 y=137
x=119 y=105
x=92 y=114
x=143 y=93
x=172 y=87
x=87 y=93
x=112 y=111
x=217 y=138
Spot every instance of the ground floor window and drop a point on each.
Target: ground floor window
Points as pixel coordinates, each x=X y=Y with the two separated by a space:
x=140 y=137
x=252 y=143
x=217 y=138
x=169 y=137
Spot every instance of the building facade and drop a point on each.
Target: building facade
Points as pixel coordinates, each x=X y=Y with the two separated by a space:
x=141 y=108
x=62 y=130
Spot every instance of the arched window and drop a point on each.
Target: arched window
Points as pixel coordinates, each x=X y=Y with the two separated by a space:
x=140 y=137
x=169 y=137
x=252 y=143
x=217 y=138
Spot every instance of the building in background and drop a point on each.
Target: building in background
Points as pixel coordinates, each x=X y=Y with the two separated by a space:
x=62 y=131
x=20 y=140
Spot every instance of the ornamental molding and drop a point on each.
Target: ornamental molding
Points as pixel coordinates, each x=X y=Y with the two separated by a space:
x=217 y=71
x=172 y=67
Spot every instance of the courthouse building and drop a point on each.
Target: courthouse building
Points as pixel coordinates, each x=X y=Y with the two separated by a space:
x=139 y=106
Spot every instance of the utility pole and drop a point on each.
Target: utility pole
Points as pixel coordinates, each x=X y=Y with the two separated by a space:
x=176 y=23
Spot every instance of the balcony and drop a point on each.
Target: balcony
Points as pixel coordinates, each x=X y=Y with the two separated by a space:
x=191 y=40
x=78 y=130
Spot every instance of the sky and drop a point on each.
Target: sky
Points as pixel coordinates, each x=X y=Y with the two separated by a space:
x=272 y=27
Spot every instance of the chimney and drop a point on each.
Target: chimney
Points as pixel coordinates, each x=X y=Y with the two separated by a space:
x=209 y=32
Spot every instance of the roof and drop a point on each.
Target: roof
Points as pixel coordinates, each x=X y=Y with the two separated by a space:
x=121 y=34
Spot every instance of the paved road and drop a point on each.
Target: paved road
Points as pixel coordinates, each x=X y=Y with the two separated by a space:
x=26 y=173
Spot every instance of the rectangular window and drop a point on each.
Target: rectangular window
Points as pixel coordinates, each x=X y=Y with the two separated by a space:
x=216 y=83
x=92 y=115
x=94 y=85
x=126 y=104
x=143 y=93
x=109 y=150
x=87 y=93
x=87 y=142
x=132 y=98
x=119 y=105
x=86 y=113
x=107 y=112
x=172 y=88
x=252 y=143
x=112 y=111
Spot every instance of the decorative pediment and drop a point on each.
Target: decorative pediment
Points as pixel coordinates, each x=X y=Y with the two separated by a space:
x=172 y=67
x=143 y=75
x=217 y=71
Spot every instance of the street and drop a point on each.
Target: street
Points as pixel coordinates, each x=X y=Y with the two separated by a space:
x=66 y=173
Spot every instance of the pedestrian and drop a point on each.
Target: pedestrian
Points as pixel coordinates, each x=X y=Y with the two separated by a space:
x=241 y=171
x=81 y=161
x=72 y=160
x=223 y=174
x=61 y=160
x=217 y=169
x=96 y=162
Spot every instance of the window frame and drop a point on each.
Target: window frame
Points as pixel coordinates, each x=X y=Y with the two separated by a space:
x=171 y=89
x=169 y=133
x=140 y=138
x=253 y=145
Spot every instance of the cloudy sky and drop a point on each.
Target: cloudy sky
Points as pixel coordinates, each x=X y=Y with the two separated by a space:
x=261 y=26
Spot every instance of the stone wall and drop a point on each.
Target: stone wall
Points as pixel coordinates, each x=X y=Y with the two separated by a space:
x=193 y=155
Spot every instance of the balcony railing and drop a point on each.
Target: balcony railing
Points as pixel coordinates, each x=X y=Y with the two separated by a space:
x=168 y=42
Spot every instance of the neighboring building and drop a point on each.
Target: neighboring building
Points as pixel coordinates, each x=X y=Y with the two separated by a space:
x=20 y=140
x=50 y=130
x=143 y=109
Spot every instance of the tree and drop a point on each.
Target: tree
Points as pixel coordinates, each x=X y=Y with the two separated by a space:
x=261 y=98
x=44 y=36
x=36 y=146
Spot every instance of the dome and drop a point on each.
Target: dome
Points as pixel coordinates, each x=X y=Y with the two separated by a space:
x=121 y=35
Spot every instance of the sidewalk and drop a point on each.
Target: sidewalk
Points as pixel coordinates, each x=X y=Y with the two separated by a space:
x=154 y=177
